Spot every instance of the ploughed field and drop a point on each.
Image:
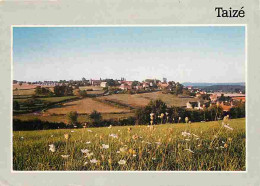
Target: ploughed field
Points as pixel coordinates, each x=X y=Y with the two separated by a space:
x=203 y=146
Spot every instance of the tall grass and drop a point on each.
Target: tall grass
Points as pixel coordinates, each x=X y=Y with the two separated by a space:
x=174 y=147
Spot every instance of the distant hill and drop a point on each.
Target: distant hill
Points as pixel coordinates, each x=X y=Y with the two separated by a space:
x=211 y=84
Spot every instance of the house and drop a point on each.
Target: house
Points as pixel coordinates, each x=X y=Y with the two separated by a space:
x=163 y=85
x=125 y=86
x=194 y=105
x=95 y=82
x=226 y=108
x=239 y=98
x=103 y=84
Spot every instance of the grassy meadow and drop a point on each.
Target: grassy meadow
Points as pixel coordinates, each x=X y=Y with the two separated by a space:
x=204 y=146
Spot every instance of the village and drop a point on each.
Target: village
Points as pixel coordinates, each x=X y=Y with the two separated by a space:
x=204 y=98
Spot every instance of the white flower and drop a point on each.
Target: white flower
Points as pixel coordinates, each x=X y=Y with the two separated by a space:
x=153 y=158
x=93 y=160
x=104 y=146
x=88 y=142
x=110 y=126
x=22 y=137
x=113 y=135
x=65 y=156
x=123 y=149
x=85 y=163
x=134 y=155
x=84 y=151
x=89 y=130
x=118 y=152
x=89 y=154
x=223 y=142
x=122 y=162
x=228 y=127
x=189 y=150
x=185 y=133
x=52 y=148
x=72 y=131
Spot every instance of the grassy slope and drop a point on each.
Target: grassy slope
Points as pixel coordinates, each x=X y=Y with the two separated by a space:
x=32 y=152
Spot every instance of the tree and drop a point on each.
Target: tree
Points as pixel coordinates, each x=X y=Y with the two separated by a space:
x=95 y=116
x=63 y=90
x=16 y=105
x=72 y=117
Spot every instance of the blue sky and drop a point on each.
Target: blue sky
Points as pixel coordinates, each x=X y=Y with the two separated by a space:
x=194 y=54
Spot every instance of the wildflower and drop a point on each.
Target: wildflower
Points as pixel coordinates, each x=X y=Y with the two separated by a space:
x=153 y=158
x=161 y=116
x=72 y=131
x=179 y=118
x=84 y=151
x=88 y=142
x=195 y=135
x=228 y=127
x=223 y=142
x=186 y=119
x=134 y=155
x=52 y=136
x=129 y=129
x=113 y=135
x=93 y=160
x=75 y=126
x=104 y=146
x=123 y=149
x=89 y=154
x=122 y=162
x=134 y=137
x=187 y=139
x=22 y=137
x=221 y=147
x=118 y=130
x=85 y=163
x=67 y=136
x=89 y=130
x=52 y=148
x=185 y=134
x=118 y=152
x=158 y=143
x=189 y=150
x=226 y=145
x=230 y=139
x=65 y=156
x=110 y=126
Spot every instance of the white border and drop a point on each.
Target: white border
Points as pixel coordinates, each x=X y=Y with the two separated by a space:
x=148 y=25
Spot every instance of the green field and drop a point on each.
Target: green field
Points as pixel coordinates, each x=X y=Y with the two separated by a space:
x=204 y=146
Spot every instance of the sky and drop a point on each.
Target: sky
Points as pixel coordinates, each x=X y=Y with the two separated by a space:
x=180 y=53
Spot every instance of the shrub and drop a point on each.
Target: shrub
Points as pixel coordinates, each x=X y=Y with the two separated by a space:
x=72 y=117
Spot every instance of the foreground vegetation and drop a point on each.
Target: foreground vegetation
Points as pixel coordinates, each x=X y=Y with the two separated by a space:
x=216 y=145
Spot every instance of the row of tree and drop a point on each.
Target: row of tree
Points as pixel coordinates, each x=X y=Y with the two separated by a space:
x=163 y=114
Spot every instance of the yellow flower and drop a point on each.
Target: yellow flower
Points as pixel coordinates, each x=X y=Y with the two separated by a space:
x=67 y=136
x=226 y=145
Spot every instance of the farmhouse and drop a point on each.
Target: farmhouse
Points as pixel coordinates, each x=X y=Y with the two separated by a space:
x=103 y=84
x=194 y=105
x=95 y=82
x=125 y=86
